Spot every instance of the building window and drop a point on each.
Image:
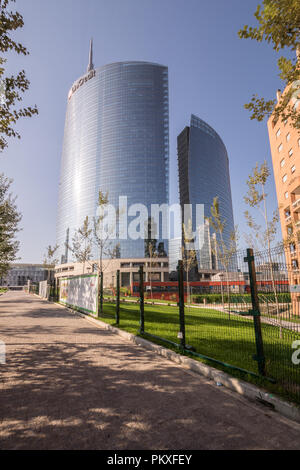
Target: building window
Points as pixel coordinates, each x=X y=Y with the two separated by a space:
x=293 y=169
x=280 y=148
x=278 y=133
x=284 y=178
x=282 y=162
x=286 y=195
x=285 y=122
x=290 y=152
x=288 y=136
x=294 y=264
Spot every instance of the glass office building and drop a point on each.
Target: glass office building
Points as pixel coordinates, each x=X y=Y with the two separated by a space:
x=116 y=140
x=204 y=174
x=19 y=274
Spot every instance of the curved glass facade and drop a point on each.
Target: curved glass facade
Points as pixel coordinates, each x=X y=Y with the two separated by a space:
x=116 y=140
x=204 y=174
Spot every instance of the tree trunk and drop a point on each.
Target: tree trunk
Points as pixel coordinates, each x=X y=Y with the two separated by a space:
x=271 y=263
x=228 y=292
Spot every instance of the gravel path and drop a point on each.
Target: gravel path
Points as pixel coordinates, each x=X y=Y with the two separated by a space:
x=67 y=384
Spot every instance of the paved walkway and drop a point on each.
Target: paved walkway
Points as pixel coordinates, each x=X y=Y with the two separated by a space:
x=70 y=385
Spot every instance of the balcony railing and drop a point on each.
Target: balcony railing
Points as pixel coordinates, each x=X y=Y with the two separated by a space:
x=294 y=185
x=296 y=205
x=288 y=219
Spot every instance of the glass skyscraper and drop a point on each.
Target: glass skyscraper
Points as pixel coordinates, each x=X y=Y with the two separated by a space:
x=204 y=174
x=116 y=140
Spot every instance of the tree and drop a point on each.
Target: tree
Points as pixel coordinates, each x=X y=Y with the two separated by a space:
x=101 y=239
x=223 y=250
x=152 y=254
x=279 y=25
x=257 y=237
x=9 y=225
x=150 y=249
x=50 y=256
x=12 y=87
x=189 y=258
x=81 y=243
x=98 y=236
x=50 y=259
x=101 y=236
x=257 y=198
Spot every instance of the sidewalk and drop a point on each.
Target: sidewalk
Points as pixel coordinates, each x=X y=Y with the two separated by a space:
x=70 y=385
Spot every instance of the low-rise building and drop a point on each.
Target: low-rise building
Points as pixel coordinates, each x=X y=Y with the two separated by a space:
x=20 y=273
x=155 y=269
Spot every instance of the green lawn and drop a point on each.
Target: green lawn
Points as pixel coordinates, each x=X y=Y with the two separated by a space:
x=229 y=339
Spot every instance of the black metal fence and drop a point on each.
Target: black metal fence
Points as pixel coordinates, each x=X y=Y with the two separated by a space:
x=54 y=291
x=109 y=301
x=223 y=331
x=279 y=300
x=253 y=325
x=32 y=289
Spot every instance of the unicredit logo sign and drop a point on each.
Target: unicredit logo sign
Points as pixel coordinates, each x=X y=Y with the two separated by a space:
x=81 y=82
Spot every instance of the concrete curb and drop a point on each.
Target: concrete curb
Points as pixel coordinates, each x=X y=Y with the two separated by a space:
x=252 y=392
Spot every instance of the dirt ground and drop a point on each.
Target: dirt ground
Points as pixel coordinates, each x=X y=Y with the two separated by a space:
x=67 y=384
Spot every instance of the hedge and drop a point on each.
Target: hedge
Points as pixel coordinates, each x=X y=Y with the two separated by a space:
x=283 y=297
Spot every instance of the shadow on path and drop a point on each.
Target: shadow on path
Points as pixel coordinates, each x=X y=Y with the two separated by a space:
x=67 y=385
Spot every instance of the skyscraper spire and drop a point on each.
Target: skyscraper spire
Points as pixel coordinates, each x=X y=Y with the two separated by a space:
x=91 y=65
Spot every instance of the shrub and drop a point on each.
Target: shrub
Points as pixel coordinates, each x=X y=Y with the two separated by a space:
x=283 y=297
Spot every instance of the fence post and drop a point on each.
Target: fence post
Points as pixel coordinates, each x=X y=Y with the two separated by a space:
x=181 y=303
x=51 y=292
x=141 y=287
x=259 y=357
x=56 y=290
x=118 y=298
x=100 y=294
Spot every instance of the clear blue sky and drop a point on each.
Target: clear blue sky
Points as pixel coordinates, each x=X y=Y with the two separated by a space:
x=212 y=73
